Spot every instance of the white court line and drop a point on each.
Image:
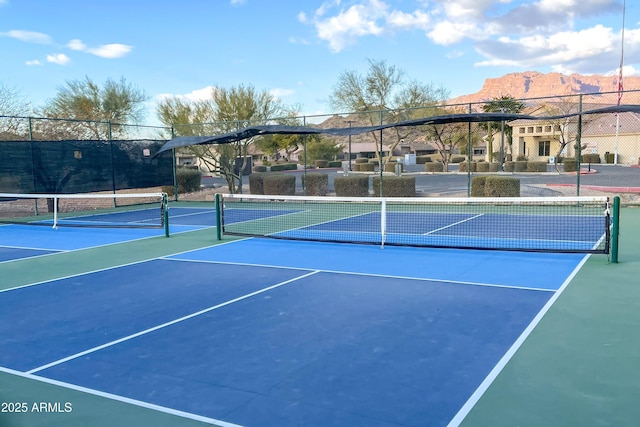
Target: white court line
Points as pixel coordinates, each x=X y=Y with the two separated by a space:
x=118 y=398
x=353 y=273
x=166 y=324
x=484 y=386
x=451 y=225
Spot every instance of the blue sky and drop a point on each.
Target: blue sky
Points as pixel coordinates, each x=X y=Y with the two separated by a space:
x=297 y=49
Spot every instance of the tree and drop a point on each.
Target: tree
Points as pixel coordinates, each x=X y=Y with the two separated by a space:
x=14 y=108
x=228 y=109
x=502 y=104
x=384 y=95
x=565 y=129
x=95 y=112
x=447 y=136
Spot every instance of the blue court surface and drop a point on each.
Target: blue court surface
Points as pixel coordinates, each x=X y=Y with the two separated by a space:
x=263 y=332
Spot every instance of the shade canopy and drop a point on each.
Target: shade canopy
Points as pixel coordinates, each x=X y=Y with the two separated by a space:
x=252 y=131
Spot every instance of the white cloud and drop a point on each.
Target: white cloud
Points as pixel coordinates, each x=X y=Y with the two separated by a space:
x=356 y=21
x=237 y=2
x=196 y=95
x=76 y=44
x=281 y=93
x=33 y=62
x=28 y=36
x=58 y=58
x=402 y=20
x=114 y=50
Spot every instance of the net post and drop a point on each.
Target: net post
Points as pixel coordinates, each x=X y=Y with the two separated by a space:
x=383 y=222
x=165 y=214
x=218 y=218
x=55 y=212
x=615 y=229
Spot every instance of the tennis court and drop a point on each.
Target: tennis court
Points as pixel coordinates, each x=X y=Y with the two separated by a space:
x=127 y=326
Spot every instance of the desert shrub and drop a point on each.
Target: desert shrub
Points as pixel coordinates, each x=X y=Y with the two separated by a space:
x=280 y=184
x=434 y=167
x=501 y=186
x=256 y=182
x=188 y=179
x=364 y=167
x=391 y=167
x=395 y=186
x=591 y=158
x=536 y=166
x=477 y=186
x=482 y=167
x=316 y=184
x=520 y=166
x=351 y=185
x=284 y=167
x=464 y=167
x=570 y=164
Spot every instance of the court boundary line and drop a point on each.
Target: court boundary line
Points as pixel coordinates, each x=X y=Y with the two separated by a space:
x=504 y=360
x=54 y=279
x=167 y=324
x=119 y=398
x=453 y=225
x=355 y=273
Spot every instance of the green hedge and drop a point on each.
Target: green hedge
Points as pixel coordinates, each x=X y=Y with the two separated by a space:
x=536 y=166
x=501 y=186
x=477 y=186
x=189 y=180
x=482 y=167
x=280 y=184
x=423 y=159
x=609 y=157
x=463 y=167
x=256 y=182
x=434 y=167
x=361 y=160
x=391 y=167
x=335 y=164
x=569 y=164
x=509 y=166
x=457 y=159
x=284 y=167
x=351 y=185
x=317 y=184
x=520 y=166
x=260 y=168
x=591 y=158
x=395 y=186
x=321 y=163
x=374 y=162
x=364 y=167
x=494 y=167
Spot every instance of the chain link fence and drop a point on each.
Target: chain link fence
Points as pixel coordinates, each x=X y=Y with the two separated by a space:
x=588 y=154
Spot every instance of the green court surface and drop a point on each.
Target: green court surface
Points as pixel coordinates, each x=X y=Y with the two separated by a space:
x=577 y=368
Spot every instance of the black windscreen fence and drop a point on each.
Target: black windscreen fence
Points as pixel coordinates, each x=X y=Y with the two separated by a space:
x=83 y=166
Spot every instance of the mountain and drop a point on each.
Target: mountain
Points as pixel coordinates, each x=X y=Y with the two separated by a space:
x=532 y=84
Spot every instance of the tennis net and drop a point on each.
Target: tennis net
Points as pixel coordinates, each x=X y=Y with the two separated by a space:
x=559 y=224
x=124 y=210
